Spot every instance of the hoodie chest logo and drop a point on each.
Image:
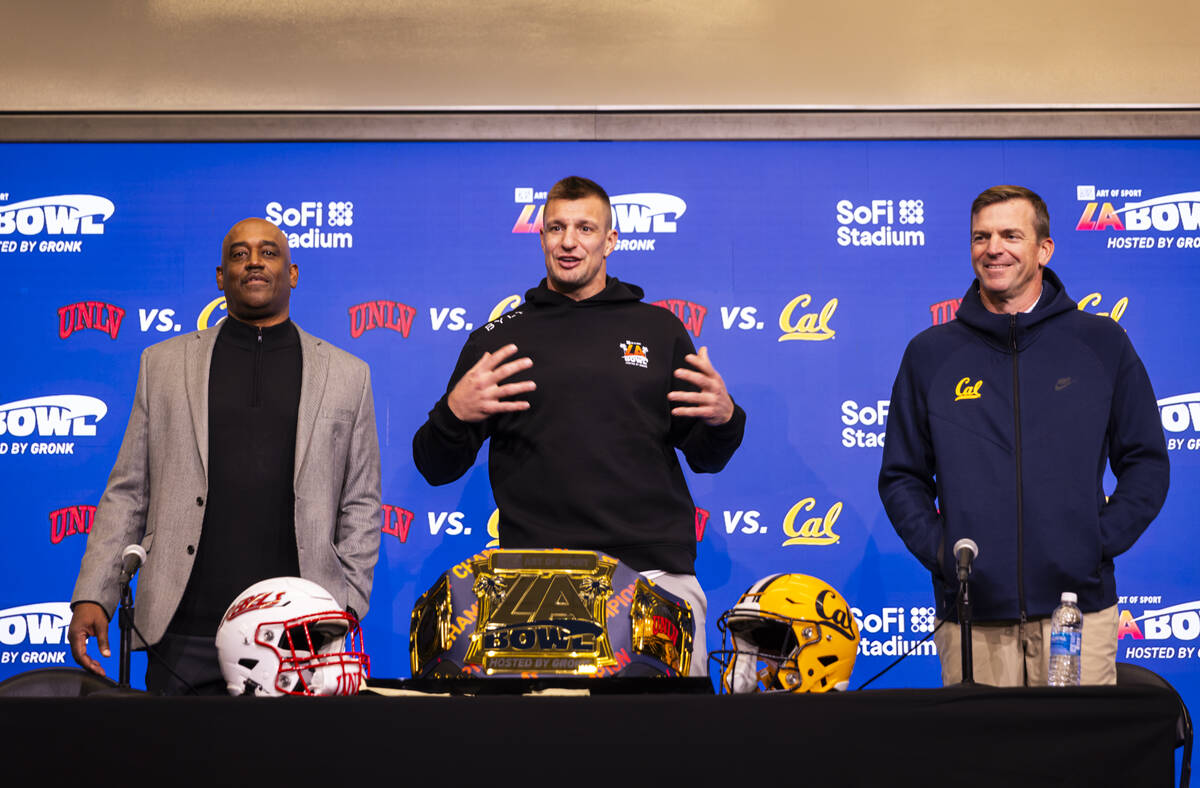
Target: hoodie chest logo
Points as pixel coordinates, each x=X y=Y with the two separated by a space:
x=967 y=390
x=635 y=353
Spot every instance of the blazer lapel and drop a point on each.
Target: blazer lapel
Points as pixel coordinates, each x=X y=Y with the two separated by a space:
x=197 y=362
x=314 y=359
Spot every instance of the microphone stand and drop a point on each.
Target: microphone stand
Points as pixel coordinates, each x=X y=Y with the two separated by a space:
x=125 y=622
x=964 y=623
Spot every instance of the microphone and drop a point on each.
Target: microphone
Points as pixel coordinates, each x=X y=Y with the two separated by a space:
x=134 y=556
x=965 y=551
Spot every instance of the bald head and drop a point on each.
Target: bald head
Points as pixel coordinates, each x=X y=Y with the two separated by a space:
x=256 y=272
x=255 y=226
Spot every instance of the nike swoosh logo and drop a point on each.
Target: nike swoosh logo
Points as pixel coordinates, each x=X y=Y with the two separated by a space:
x=1062 y=383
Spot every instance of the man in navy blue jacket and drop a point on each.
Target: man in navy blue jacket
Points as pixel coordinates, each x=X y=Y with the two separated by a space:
x=1000 y=426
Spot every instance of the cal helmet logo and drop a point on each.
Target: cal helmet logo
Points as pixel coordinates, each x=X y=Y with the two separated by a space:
x=967 y=390
x=635 y=353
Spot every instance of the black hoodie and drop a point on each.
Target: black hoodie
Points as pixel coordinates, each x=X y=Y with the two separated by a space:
x=591 y=464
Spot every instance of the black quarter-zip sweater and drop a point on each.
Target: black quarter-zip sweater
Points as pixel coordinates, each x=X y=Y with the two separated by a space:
x=592 y=463
x=249 y=529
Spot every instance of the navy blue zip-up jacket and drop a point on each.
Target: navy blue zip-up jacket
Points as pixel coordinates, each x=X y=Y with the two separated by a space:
x=999 y=430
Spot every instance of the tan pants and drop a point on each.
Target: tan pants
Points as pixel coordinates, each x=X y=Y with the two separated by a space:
x=1002 y=657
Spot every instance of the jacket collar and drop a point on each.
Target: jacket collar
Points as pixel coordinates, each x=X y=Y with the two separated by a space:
x=1020 y=329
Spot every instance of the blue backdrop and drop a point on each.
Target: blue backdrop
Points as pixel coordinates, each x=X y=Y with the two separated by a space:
x=805 y=267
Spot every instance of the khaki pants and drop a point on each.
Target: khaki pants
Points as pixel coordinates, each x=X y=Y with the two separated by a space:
x=1003 y=656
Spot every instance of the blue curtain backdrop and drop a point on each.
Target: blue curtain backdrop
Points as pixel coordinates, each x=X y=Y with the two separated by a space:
x=805 y=267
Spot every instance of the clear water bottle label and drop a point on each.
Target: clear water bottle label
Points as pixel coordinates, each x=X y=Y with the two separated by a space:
x=1065 y=644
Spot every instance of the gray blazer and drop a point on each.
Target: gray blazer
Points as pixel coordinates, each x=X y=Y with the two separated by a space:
x=158 y=488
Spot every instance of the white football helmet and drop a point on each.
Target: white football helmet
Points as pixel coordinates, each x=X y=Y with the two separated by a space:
x=287 y=636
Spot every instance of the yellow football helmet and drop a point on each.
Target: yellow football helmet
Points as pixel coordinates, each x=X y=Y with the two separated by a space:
x=787 y=633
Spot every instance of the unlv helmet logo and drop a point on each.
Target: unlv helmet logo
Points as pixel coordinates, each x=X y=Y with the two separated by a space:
x=255 y=602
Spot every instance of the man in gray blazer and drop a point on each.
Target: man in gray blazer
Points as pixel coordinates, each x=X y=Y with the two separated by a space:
x=251 y=452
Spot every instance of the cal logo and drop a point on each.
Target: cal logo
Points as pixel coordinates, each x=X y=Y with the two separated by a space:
x=1094 y=299
x=814 y=530
x=812 y=326
x=635 y=353
x=967 y=390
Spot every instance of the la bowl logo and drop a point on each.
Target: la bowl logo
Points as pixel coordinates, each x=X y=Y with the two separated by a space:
x=57 y=415
x=639 y=213
x=1160 y=632
x=28 y=627
x=1167 y=213
x=1181 y=420
x=64 y=214
x=58 y=216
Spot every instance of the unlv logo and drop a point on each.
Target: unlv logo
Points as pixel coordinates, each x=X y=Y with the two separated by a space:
x=90 y=314
x=666 y=628
x=944 y=311
x=396 y=521
x=71 y=520
x=691 y=315
x=381 y=314
x=255 y=602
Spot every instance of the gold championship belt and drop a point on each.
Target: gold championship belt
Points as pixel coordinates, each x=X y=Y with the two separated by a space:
x=549 y=613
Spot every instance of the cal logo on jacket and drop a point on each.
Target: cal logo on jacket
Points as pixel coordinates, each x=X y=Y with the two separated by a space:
x=967 y=390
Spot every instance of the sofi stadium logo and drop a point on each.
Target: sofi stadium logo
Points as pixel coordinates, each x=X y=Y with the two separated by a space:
x=305 y=223
x=893 y=631
x=880 y=222
x=60 y=415
x=1158 y=632
x=643 y=213
x=865 y=426
x=1181 y=421
x=1168 y=213
x=59 y=217
x=34 y=634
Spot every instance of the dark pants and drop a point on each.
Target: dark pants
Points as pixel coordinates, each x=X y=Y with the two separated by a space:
x=194 y=662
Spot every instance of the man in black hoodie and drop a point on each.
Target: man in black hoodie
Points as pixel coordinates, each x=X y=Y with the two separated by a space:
x=1001 y=424
x=585 y=393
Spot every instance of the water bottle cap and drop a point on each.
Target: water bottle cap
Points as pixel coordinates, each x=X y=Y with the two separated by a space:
x=1070 y=596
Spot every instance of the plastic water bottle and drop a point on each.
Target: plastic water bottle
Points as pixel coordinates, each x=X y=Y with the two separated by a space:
x=1066 y=642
